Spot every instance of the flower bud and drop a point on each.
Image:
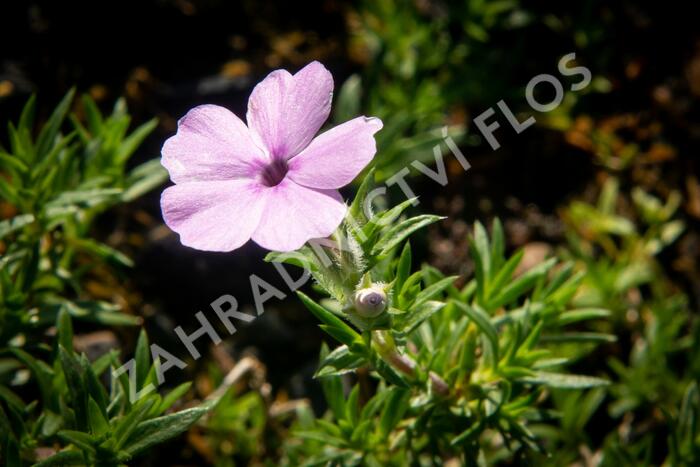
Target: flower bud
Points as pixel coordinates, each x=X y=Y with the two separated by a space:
x=370 y=302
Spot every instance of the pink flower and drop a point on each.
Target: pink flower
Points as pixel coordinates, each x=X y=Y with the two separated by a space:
x=271 y=181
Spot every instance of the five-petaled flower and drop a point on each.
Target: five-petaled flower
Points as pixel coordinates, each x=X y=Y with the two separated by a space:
x=271 y=180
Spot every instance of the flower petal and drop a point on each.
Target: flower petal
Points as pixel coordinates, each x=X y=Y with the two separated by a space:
x=211 y=143
x=213 y=216
x=295 y=214
x=334 y=158
x=285 y=111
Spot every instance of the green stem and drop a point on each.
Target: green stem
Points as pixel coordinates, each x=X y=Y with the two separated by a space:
x=386 y=348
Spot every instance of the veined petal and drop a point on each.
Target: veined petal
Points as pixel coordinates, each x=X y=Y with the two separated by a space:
x=295 y=214
x=334 y=158
x=214 y=215
x=285 y=112
x=211 y=143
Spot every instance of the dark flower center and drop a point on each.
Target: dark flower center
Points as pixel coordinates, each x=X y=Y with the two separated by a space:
x=374 y=299
x=273 y=173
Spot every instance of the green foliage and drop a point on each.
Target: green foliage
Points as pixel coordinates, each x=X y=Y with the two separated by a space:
x=455 y=364
x=96 y=427
x=590 y=357
x=56 y=184
x=428 y=66
x=655 y=381
x=408 y=82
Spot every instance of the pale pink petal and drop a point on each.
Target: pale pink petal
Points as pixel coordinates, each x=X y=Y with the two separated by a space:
x=334 y=158
x=285 y=111
x=211 y=143
x=213 y=216
x=295 y=214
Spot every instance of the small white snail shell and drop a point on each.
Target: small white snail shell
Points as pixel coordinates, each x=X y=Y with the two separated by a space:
x=370 y=302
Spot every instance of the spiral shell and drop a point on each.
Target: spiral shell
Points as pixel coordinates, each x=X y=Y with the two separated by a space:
x=370 y=302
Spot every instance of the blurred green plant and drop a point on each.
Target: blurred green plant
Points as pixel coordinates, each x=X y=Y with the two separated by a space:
x=654 y=369
x=236 y=429
x=414 y=75
x=431 y=65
